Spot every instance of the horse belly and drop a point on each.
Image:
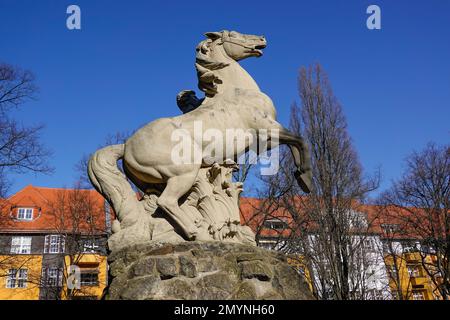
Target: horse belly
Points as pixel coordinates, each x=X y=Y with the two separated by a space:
x=148 y=148
x=149 y=152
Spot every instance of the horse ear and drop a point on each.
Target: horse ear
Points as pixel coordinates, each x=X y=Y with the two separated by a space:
x=213 y=35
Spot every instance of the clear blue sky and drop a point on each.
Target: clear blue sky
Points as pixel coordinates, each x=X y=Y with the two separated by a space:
x=124 y=68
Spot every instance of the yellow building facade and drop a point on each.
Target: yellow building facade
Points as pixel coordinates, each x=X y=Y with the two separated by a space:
x=19 y=286
x=408 y=279
x=53 y=244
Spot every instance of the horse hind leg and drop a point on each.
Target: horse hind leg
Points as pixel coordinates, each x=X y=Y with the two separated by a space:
x=141 y=185
x=177 y=187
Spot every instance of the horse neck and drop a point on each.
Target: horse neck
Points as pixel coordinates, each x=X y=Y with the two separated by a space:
x=234 y=76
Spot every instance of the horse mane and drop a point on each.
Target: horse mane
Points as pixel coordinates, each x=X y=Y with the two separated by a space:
x=206 y=67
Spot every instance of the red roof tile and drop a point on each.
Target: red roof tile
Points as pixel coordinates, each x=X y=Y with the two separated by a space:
x=54 y=210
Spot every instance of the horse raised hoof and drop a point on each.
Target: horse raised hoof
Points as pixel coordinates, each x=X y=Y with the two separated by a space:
x=303 y=180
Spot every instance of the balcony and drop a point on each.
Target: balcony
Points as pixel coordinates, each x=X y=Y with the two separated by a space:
x=418 y=281
x=412 y=257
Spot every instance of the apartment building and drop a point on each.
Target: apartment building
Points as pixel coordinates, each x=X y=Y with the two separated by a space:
x=53 y=244
x=391 y=257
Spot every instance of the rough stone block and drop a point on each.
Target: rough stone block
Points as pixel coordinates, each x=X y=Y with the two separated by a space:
x=140 y=288
x=187 y=267
x=143 y=267
x=256 y=269
x=167 y=267
x=202 y=270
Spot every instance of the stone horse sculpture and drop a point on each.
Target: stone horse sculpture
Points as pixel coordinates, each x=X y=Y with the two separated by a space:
x=232 y=100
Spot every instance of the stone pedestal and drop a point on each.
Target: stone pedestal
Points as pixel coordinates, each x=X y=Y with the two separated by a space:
x=202 y=270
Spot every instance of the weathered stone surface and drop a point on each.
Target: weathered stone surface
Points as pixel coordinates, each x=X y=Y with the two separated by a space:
x=167 y=267
x=140 y=288
x=202 y=270
x=144 y=267
x=245 y=291
x=284 y=275
x=256 y=269
x=249 y=257
x=206 y=264
x=187 y=267
x=177 y=288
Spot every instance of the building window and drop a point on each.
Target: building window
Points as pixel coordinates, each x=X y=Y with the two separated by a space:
x=410 y=247
x=390 y=228
x=368 y=245
x=275 y=224
x=90 y=246
x=392 y=271
x=414 y=271
x=54 y=243
x=21 y=245
x=267 y=244
x=418 y=295
x=17 y=278
x=25 y=213
x=89 y=278
x=52 y=277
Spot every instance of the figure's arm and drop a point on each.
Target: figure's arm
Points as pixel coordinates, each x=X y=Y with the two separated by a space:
x=188 y=101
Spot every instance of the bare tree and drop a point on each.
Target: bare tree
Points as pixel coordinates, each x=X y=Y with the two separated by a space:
x=421 y=200
x=339 y=186
x=79 y=219
x=394 y=236
x=82 y=165
x=20 y=147
x=331 y=231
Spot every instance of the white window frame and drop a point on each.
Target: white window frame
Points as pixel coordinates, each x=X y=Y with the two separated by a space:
x=21 y=245
x=390 y=228
x=17 y=278
x=24 y=213
x=393 y=271
x=270 y=224
x=267 y=244
x=368 y=244
x=413 y=271
x=90 y=246
x=54 y=243
x=91 y=275
x=52 y=277
x=416 y=294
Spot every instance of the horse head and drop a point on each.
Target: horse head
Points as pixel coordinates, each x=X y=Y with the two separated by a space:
x=239 y=46
x=221 y=49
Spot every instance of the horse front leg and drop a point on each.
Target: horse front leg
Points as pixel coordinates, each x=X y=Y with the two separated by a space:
x=300 y=153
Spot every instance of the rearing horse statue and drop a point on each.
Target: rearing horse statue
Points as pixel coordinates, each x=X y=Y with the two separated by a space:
x=232 y=100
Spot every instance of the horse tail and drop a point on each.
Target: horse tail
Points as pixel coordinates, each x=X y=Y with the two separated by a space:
x=112 y=183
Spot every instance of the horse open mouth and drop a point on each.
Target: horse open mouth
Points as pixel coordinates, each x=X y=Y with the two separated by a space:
x=258 y=49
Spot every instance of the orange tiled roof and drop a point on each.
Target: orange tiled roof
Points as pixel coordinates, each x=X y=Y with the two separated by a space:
x=47 y=205
x=408 y=221
x=54 y=210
